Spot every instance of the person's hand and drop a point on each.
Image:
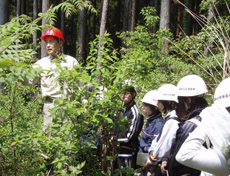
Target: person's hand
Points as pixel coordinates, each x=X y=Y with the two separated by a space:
x=152 y=157
x=149 y=174
x=111 y=139
x=163 y=165
x=145 y=166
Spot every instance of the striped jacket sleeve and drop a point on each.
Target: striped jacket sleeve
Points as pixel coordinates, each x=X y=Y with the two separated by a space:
x=135 y=125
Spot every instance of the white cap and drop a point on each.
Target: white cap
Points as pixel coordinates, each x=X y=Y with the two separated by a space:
x=150 y=97
x=167 y=92
x=191 y=85
x=222 y=93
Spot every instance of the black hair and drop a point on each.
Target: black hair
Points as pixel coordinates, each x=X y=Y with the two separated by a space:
x=186 y=107
x=131 y=90
x=228 y=109
x=168 y=105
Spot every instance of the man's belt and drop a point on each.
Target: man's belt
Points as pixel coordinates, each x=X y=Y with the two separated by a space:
x=49 y=99
x=125 y=147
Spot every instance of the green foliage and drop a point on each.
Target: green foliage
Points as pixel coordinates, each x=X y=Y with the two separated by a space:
x=22 y=139
x=143 y=61
x=20 y=104
x=208 y=49
x=125 y=171
x=149 y=16
x=83 y=120
x=72 y=6
x=205 y=4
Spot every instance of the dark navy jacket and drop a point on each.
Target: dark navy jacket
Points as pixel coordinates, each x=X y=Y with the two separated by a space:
x=153 y=129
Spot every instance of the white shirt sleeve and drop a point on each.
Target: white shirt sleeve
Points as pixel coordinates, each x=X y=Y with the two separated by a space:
x=193 y=154
x=168 y=136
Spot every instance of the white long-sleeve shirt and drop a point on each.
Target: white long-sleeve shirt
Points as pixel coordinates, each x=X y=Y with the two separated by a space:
x=193 y=154
x=162 y=147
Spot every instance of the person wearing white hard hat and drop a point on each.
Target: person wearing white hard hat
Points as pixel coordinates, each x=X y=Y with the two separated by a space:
x=153 y=126
x=215 y=125
x=190 y=89
x=167 y=103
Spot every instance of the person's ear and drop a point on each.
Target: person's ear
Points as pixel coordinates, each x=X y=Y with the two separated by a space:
x=61 y=43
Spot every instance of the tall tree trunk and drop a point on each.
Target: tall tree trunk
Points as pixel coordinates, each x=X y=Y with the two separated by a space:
x=180 y=14
x=4 y=18
x=4 y=11
x=35 y=34
x=18 y=12
x=156 y=6
x=45 y=7
x=127 y=19
x=23 y=7
x=63 y=24
x=164 y=21
x=165 y=14
x=209 y=18
x=102 y=29
x=94 y=18
x=133 y=15
x=82 y=34
x=190 y=18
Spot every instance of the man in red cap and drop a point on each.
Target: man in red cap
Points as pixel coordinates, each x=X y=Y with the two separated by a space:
x=50 y=87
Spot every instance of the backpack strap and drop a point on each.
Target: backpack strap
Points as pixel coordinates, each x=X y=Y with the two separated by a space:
x=195 y=121
x=175 y=118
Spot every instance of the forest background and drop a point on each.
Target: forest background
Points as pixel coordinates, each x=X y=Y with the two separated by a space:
x=151 y=42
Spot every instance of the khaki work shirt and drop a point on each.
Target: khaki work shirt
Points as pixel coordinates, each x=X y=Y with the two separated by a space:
x=49 y=85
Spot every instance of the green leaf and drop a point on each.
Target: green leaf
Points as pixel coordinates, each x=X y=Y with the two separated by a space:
x=5 y=63
x=59 y=165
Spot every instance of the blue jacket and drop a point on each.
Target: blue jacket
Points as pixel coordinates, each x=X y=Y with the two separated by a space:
x=153 y=129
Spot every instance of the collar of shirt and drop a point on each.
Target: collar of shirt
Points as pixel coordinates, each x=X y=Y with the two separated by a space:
x=171 y=114
x=60 y=58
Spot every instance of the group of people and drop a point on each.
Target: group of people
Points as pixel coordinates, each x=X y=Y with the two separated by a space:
x=183 y=136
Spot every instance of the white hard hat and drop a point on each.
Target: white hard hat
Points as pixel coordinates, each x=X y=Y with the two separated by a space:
x=167 y=92
x=191 y=85
x=222 y=93
x=150 y=97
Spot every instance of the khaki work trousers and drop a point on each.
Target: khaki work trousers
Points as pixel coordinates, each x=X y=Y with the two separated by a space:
x=48 y=119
